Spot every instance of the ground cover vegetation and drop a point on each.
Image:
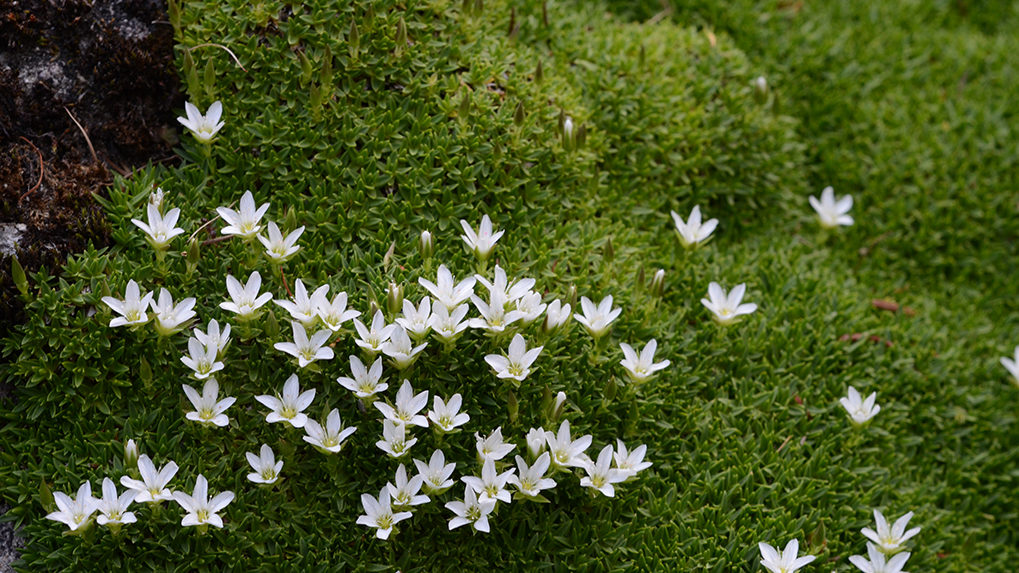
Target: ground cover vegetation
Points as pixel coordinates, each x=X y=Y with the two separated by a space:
x=577 y=128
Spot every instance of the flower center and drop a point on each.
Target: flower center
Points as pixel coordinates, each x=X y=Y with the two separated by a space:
x=206 y=413
x=288 y=412
x=268 y=474
x=473 y=513
x=384 y=521
x=515 y=370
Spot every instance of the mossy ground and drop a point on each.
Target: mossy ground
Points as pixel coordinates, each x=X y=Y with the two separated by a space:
x=907 y=107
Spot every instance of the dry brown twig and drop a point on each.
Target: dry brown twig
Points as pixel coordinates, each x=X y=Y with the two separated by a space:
x=41 y=170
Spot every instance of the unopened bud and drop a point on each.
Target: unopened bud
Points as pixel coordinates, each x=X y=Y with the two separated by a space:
x=513 y=406
x=130 y=453
x=372 y=309
x=657 y=287
x=535 y=442
x=557 y=406
x=156 y=199
x=427 y=245
x=193 y=254
x=571 y=296
x=760 y=89
x=394 y=299
x=569 y=138
x=639 y=283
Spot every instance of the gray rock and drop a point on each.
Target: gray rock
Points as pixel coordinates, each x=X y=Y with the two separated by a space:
x=10 y=542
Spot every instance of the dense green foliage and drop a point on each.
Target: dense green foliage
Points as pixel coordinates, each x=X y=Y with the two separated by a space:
x=367 y=140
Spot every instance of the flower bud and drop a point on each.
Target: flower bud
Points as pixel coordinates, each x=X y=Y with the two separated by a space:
x=760 y=85
x=657 y=287
x=535 y=442
x=156 y=199
x=557 y=407
x=394 y=299
x=569 y=138
x=130 y=453
x=427 y=245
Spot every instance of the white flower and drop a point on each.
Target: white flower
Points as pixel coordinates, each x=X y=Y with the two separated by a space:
x=407 y=406
x=600 y=476
x=245 y=301
x=365 y=383
x=156 y=198
x=133 y=309
x=629 y=463
x=596 y=319
x=378 y=513
x=171 y=318
x=335 y=313
x=493 y=446
x=644 y=367
x=484 y=240
x=416 y=320
x=860 y=411
x=531 y=480
x=374 y=339
x=201 y=510
x=447 y=415
x=329 y=439
x=530 y=307
x=727 y=308
x=280 y=249
x=215 y=338
x=152 y=487
x=113 y=507
x=494 y=317
x=491 y=485
x=557 y=314
x=243 y=223
x=447 y=292
x=1010 y=364
x=201 y=359
x=787 y=562
x=290 y=406
x=160 y=229
x=306 y=350
x=208 y=407
x=394 y=439
x=470 y=511
x=692 y=233
x=510 y=292
x=75 y=513
x=267 y=469
x=400 y=349
x=517 y=365
x=405 y=492
x=204 y=127
x=436 y=473
x=890 y=539
x=567 y=452
x=449 y=325
x=832 y=213
x=535 y=442
x=878 y=562
x=303 y=308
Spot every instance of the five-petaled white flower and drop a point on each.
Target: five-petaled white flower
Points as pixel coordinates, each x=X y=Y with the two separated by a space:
x=113 y=508
x=483 y=241
x=535 y=439
x=290 y=406
x=693 y=233
x=160 y=229
x=304 y=308
x=405 y=492
x=600 y=475
x=436 y=473
x=267 y=469
x=447 y=291
x=449 y=325
x=171 y=318
x=727 y=307
x=245 y=301
x=201 y=510
x=243 y=223
x=567 y=452
x=788 y=562
x=530 y=307
x=378 y=513
x=890 y=539
x=644 y=367
x=214 y=337
x=201 y=359
x=208 y=407
x=517 y=365
x=1010 y=364
x=596 y=319
x=416 y=320
x=333 y=313
x=408 y=406
x=510 y=292
x=75 y=513
x=531 y=480
x=394 y=439
x=860 y=411
x=374 y=339
x=400 y=349
x=832 y=213
x=152 y=487
x=878 y=562
x=557 y=314
x=365 y=382
x=491 y=486
x=280 y=249
x=493 y=446
x=306 y=350
x=133 y=310
x=204 y=127
x=494 y=317
x=627 y=462
x=446 y=416
x=471 y=511
x=329 y=439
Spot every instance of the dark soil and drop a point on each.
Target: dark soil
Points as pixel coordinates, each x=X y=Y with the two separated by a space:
x=107 y=64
